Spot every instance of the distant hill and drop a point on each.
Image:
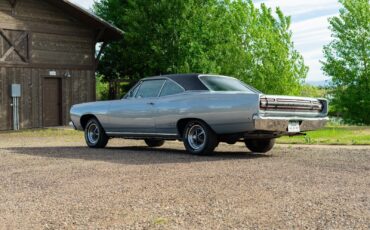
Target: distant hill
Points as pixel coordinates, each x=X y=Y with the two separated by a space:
x=318 y=83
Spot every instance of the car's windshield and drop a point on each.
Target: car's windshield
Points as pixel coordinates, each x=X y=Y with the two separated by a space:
x=217 y=83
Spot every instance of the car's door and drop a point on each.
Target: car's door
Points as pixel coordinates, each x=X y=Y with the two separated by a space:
x=134 y=114
x=168 y=108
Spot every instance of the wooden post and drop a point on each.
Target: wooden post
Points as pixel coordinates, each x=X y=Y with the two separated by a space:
x=111 y=90
x=101 y=51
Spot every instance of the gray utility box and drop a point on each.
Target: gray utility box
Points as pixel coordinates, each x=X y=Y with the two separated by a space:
x=16 y=90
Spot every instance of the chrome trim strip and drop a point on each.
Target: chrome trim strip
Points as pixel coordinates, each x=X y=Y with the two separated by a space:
x=71 y=124
x=132 y=88
x=169 y=79
x=138 y=134
x=160 y=91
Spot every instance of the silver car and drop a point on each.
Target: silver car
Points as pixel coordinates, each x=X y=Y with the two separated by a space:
x=200 y=110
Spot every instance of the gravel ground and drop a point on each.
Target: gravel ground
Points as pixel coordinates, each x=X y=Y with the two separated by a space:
x=58 y=183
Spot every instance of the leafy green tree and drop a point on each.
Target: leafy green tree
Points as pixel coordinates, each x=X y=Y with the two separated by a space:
x=102 y=89
x=271 y=62
x=314 y=91
x=230 y=37
x=346 y=60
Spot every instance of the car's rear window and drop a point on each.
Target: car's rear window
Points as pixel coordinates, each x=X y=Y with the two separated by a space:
x=216 y=83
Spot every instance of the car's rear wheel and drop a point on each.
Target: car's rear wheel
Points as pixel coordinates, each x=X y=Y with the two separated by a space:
x=199 y=138
x=259 y=145
x=95 y=136
x=154 y=143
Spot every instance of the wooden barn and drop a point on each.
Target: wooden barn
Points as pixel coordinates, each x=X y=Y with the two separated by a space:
x=48 y=48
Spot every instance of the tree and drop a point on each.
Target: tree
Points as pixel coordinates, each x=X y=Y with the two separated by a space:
x=202 y=36
x=314 y=91
x=346 y=60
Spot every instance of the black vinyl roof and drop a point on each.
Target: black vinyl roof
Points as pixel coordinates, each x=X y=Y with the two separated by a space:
x=187 y=81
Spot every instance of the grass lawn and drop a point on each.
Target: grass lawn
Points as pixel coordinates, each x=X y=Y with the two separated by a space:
x=47 y=132
x=336 y=135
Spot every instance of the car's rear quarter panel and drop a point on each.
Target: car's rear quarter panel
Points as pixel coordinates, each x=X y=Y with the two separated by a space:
x=224 y=112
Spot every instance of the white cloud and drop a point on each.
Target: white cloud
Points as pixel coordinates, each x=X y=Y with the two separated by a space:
x=310 y=29
x=297 y=7
x=309 y=37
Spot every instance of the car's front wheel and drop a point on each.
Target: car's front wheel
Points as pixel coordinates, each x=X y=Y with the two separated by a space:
x=95 y=136
x=154 y=143
x=199 y=138
x=259 y=145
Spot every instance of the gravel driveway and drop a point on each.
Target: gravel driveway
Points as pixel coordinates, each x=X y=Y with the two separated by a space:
x=56 y=182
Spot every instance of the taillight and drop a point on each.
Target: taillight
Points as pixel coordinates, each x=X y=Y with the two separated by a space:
x=290 y=104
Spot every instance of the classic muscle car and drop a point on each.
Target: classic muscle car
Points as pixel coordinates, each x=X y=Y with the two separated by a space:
x=200 y=110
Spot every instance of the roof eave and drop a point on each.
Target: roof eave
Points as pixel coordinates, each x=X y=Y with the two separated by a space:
x=110 y=33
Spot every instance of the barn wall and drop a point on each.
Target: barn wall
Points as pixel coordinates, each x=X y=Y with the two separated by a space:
x=54 y=41
x=76 y=89
x=55 y=37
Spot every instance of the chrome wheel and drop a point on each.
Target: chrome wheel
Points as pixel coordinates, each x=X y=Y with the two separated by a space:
x=196 y=137
x=199 y=138
x=93 y=133
x=95 y=136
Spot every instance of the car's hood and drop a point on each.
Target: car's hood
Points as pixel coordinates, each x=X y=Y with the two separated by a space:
x=95 y=103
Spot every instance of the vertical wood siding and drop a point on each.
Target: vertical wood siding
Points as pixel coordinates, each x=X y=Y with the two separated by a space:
x=56 y=41
x=74 y=90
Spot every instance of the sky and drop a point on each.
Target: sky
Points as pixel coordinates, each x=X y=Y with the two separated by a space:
x=309 y=27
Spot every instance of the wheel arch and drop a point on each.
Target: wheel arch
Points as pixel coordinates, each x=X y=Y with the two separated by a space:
x=85 y=119
x=182 y=123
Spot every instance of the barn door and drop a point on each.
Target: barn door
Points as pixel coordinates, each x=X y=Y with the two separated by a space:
x=52 y=98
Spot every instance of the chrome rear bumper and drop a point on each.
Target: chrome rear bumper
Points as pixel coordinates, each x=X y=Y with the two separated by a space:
x=280 y=124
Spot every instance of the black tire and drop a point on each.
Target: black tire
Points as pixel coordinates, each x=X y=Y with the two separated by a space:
x=95 y=135
x=154 y=143
x=196 y=144
x=259 y=145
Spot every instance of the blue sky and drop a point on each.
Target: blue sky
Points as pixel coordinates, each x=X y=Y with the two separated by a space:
x=309 y=26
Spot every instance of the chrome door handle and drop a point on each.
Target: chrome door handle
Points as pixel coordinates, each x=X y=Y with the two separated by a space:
x=150 y=103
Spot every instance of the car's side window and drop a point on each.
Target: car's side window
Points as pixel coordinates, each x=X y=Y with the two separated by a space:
x=150 y=88
x=171 y=88
x=133 y=91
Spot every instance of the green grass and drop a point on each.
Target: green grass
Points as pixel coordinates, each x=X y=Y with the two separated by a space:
x=50 y=132
x=160 y=221
x=335 y=135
